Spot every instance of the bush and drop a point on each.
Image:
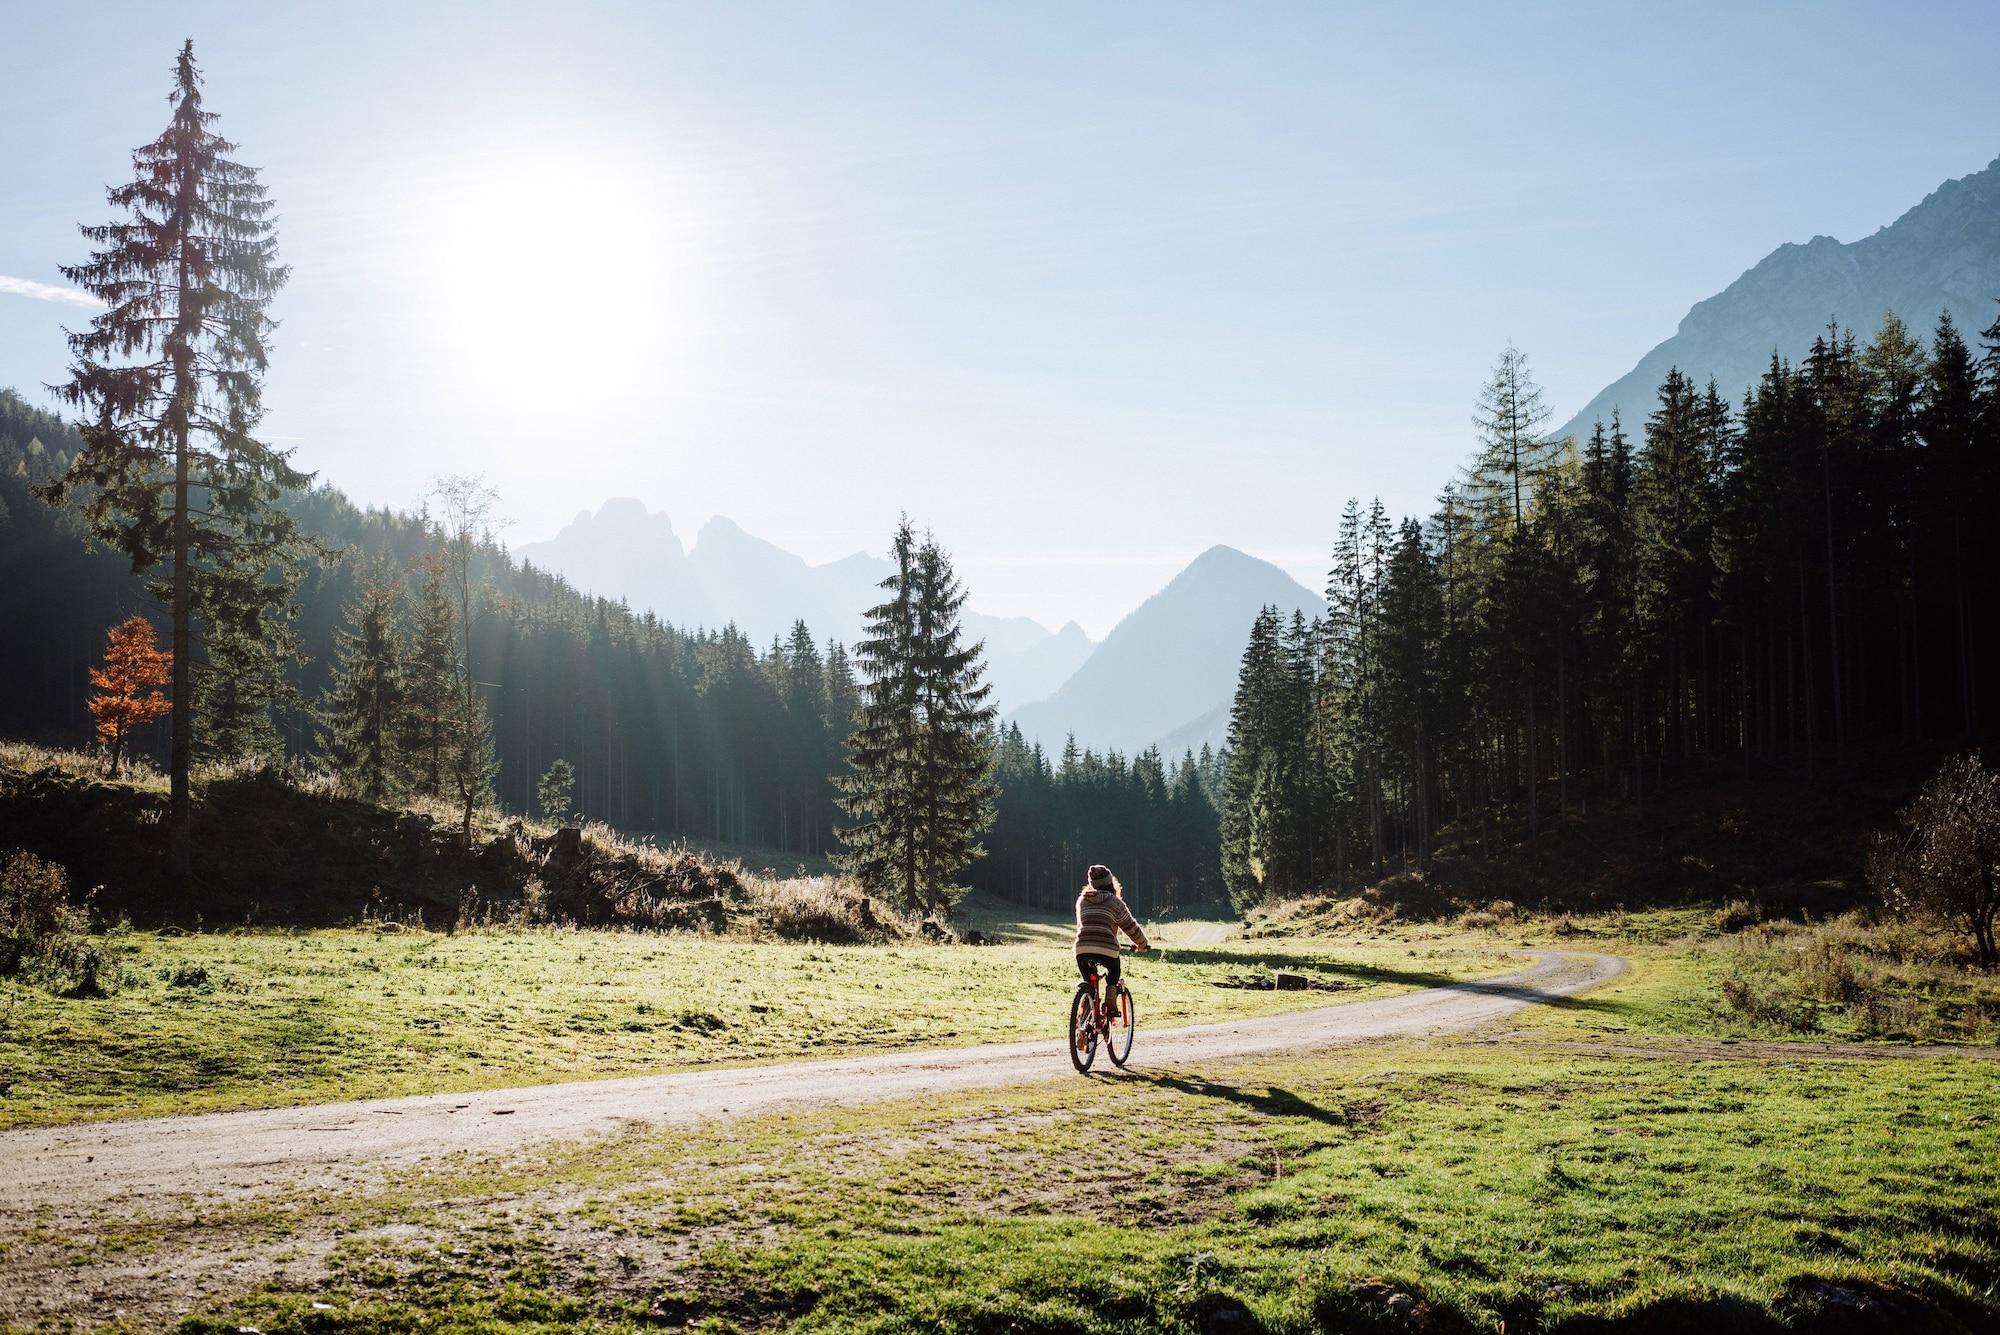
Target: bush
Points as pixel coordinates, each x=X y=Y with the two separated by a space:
x=1944 y=864
x=1736 y=915
x=42 y=934
x=1855 y=977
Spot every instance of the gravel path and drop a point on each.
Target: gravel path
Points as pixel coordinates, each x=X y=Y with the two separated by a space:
x=234 y=1153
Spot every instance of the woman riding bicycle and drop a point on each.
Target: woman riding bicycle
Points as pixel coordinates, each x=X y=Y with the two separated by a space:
x=1100 y=915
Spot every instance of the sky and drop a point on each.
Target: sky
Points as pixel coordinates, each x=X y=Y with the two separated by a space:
x=1084 y=289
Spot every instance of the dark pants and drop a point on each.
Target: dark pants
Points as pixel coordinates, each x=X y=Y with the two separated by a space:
x=1088 y=965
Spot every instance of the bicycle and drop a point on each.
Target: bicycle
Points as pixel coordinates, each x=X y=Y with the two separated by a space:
x=1089 y=1021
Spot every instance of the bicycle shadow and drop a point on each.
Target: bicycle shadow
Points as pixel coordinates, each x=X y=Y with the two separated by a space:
x=1271 y=1102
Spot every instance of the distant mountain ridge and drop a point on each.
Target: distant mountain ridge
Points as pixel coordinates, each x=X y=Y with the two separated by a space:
x=1941 y=255
x=1165 y=674
x=730 y=576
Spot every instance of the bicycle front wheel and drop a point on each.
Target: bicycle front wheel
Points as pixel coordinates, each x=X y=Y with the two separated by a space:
x=1082 y=1030
x=1124 y=1019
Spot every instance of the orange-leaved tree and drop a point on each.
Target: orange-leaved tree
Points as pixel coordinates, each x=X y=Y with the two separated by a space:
x=127 y=688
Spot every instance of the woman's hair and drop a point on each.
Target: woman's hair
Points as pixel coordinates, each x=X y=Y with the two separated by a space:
x=1100 y=878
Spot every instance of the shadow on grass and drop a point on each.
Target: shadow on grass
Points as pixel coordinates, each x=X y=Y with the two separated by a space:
x=1293 y=960
x=1269 y=1102
x=1371 y=974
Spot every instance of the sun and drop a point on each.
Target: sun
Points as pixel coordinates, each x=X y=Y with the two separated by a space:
x=547 y=265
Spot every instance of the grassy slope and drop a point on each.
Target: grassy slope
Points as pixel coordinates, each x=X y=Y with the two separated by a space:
x=220 y=1020
x=1499 y=1188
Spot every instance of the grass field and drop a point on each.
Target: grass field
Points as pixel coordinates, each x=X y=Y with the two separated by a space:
x=1387 y=1188
x=1656 y=1155
x=208 y=1021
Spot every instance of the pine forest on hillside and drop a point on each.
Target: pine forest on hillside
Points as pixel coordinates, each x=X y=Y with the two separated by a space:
x=1778 y=583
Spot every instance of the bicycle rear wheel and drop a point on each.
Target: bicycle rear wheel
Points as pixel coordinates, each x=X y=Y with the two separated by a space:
x=1082 y=1029
x=1124 y=1019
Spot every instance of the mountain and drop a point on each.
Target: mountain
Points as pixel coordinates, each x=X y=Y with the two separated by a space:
x=1031 y=672
x=1942 y=255
x=1210 y=729
x=626 y=551
x=1169 y=668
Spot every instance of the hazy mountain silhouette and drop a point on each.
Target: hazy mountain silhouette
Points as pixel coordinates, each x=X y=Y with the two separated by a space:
x=729 y=575
x=1942 y=255
x=1170 y=666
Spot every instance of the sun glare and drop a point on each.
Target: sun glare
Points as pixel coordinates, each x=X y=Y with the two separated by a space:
x=538 y=267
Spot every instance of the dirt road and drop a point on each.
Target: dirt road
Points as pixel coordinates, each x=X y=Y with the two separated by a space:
x=232 y=1153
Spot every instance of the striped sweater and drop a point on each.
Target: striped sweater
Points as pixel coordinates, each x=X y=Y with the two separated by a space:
x=1099 y=916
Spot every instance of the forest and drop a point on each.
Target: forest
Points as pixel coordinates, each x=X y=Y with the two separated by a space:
x=695 y=734
x=1791 y=584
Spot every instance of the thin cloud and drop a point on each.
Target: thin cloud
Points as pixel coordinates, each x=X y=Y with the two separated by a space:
x=28 y=287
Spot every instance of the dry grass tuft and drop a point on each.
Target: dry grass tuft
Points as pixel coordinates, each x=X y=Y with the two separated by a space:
x=1858 y=976
x=828 y=909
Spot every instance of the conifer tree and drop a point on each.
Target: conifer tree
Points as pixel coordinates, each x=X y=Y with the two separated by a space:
x=1672 y=525
x=841 y=699
x=361 y=720
x=808 y=758
x=463 y=532
x=919 y=787
x=555 y=789
x=1260 y=787
x=169 y=375
x=1894 y=368
x=954 y=766
x=1957 y=487
x=429 y=670
x=1513 y=452
x=1514 y=455
x=242 y=684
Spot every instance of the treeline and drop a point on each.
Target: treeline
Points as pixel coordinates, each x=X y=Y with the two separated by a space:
x=1777 y=581
x=697 y=733
x=1153 y=822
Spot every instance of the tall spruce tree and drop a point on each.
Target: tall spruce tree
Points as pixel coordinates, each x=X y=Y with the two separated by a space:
x=241 y=685
x=956 y=761
x=919 y=786
x=1262 y=848
x=1514 y=455
x=1953 y=491
x=463 y=532
x=169 y=376
x=429 y=670
x=361 y=720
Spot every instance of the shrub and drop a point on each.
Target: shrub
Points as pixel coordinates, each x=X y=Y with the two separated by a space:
x=1825 y=971
x=42 y=934
x=193 y=977
x=1770 y=1009
x=1944 y=864
x=1736 y=915
x=1857 y=978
